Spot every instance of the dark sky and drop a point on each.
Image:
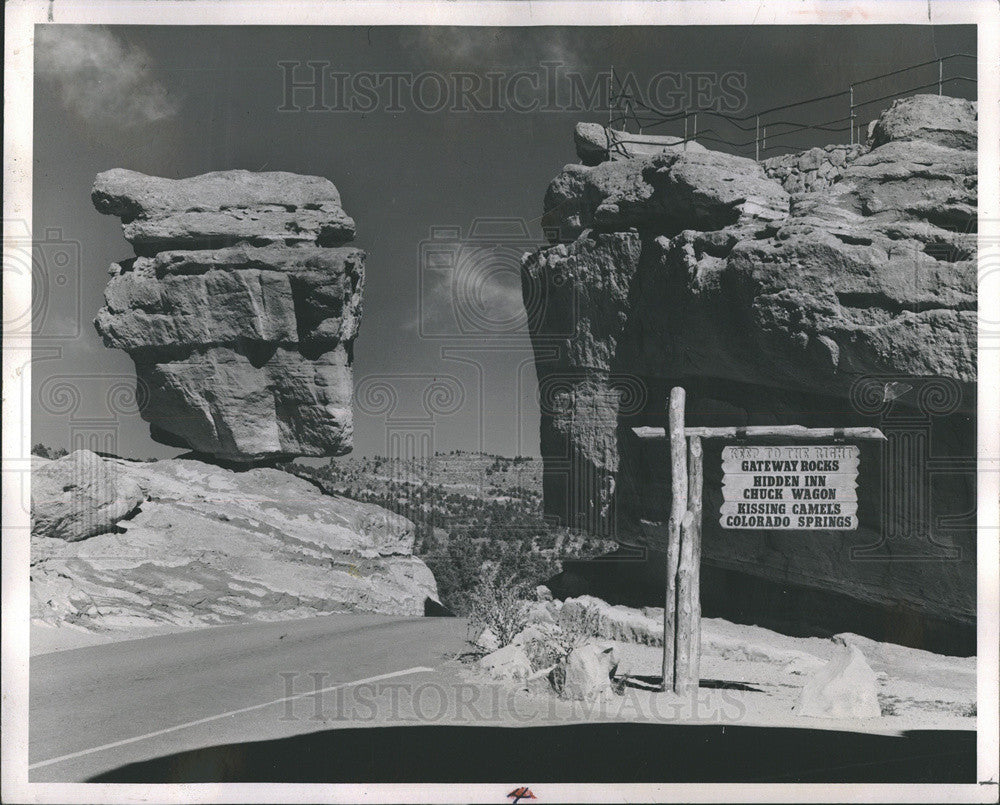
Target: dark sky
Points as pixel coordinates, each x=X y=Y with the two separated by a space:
x=179 y=101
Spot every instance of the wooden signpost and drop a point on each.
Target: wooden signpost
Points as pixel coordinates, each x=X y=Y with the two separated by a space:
x=790 y=487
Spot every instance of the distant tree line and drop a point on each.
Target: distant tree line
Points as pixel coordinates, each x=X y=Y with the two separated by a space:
x=455 y=532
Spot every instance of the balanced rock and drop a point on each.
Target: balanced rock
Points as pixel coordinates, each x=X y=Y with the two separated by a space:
x=771 y=300
x=240 y=310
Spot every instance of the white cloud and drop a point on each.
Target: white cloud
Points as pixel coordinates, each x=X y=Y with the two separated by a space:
x=484 y=296
x=486 y=48
x=99 y=78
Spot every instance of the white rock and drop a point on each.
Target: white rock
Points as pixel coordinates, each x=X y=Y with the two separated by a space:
x=540 y=613
x=588 y=672
x=79 y=496
x=209 y=546
x=846 y=687
x=509 y=662
x=529 y=633
x=611 y=622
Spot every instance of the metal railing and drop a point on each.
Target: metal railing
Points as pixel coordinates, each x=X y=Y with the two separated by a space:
x=634 y=111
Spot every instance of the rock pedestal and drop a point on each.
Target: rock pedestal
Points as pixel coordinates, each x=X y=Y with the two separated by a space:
x=239 y=309
x=118 y=544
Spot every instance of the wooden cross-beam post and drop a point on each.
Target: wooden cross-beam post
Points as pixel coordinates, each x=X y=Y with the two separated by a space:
x=682 y=604
x=678 y=508
x=682 y=613
x=690 y=595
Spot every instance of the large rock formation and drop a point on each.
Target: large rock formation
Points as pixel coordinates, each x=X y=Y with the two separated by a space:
x=772 y=305
x=240 y=310
x=189 y=543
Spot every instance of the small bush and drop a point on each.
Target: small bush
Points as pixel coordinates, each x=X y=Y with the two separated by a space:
x=497 y=603
x=558 y=642
x=888 y=706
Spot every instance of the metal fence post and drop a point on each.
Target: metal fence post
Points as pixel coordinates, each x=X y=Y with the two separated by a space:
x=852 y=114
x=611 y=94
x=756 y=140
x=940 y=75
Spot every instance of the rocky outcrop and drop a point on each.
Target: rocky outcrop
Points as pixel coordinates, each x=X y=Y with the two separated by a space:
x=204 y=545
x=951 y=122
x=240 y=310
x=774 y=306
x=812 y=170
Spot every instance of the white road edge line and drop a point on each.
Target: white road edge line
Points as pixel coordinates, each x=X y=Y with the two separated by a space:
x=137 y=738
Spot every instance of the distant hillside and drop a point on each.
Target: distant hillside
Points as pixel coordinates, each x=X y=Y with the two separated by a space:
x=468 y=508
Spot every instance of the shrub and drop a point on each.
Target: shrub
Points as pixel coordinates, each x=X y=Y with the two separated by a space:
x=497 y=603
x=558 y=642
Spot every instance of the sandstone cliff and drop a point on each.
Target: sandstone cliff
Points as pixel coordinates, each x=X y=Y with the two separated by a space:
x=240 y=310
x=790 y=291
x=118 y=544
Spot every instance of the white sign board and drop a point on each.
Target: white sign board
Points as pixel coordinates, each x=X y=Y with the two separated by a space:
x=798 y=488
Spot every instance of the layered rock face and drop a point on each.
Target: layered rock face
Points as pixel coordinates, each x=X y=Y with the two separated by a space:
x=121 y=544
x=831 y=288
x=240 y=310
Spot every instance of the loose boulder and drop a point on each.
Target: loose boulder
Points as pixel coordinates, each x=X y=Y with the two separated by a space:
x=846 y=687
x=486 y=640
x=79 y=496
x=952 y=122
x=589 y=669
x=509 y=662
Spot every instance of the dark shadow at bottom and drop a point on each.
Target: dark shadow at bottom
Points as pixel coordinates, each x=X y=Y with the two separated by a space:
x=596 y=753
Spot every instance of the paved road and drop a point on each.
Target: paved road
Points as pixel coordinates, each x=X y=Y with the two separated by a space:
x=215 y=705
x=96 y=708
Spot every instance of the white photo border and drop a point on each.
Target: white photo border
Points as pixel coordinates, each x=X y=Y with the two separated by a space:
x=22 y=15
